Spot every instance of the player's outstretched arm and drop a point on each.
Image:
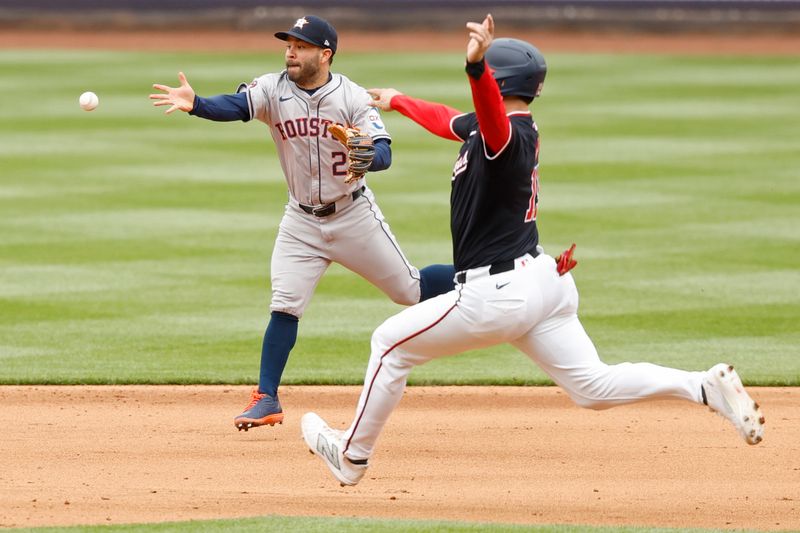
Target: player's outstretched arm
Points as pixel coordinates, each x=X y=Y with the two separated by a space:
x=436 y=118
x=221 y=108
x=181 y=98
x=382 y=98
x=489 y=107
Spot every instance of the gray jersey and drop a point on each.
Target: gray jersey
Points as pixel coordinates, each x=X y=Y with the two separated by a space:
x=314 y=163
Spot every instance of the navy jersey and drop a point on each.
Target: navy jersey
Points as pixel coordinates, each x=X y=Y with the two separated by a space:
x=494 y=197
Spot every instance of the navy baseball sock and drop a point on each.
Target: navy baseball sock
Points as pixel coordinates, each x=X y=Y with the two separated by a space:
x=279 y=340
x=435 y=280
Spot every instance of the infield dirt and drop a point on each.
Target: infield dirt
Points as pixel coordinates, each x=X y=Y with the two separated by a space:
x=134 y=454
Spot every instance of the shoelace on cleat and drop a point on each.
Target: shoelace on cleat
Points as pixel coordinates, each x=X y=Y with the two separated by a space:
x=255 y=397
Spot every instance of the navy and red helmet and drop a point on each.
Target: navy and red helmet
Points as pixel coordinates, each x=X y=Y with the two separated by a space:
x=519 y=67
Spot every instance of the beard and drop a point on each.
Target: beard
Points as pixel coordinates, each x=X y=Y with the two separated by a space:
x=304 y=74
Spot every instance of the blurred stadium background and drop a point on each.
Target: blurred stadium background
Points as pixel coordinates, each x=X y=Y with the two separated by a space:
x=745 y=17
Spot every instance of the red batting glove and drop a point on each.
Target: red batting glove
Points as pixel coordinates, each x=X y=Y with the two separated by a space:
x=565 y=262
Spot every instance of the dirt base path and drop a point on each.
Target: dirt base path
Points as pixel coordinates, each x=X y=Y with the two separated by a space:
x=102 y=455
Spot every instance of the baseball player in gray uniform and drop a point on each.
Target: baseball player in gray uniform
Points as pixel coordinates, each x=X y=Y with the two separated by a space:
x=330 y=216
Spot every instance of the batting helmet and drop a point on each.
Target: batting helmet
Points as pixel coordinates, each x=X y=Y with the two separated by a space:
x=519 y=67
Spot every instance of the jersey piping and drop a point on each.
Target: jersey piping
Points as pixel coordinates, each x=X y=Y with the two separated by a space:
x=508 y=141
x=392 y=240
x=453 y=129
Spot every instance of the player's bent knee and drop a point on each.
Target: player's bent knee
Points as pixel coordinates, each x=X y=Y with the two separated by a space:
x=591 y=399
x=381 y=339
x=405 y=298
x=386 y=345
x=595 y=404
x=591 y=387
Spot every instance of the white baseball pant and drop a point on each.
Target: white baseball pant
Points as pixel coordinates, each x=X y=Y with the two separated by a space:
x=531 y=307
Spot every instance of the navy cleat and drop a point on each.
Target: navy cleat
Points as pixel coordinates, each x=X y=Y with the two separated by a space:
x=262 y=410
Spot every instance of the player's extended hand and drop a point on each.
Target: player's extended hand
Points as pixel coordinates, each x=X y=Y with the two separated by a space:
x=176 y=97
x=481 y=36
x=382 y=98
x=565 y=262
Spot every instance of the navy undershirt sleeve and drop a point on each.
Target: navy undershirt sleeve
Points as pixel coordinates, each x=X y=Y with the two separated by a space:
x=222 y=108
x=383 y=155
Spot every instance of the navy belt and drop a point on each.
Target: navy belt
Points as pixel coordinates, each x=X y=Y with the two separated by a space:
x=328 y=209
x=495 y=268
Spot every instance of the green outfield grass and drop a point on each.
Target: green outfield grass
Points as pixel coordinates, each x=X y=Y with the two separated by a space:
x=135 y=248
x=357 y=525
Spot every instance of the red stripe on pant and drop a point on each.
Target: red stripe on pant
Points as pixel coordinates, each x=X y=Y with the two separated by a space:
x=387 y=352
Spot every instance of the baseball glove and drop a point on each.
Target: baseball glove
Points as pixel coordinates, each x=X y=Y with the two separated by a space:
x=565 y=262
x=360 y=150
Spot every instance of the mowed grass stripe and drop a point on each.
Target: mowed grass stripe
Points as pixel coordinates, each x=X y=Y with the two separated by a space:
x=313 y=524
x=135 y=247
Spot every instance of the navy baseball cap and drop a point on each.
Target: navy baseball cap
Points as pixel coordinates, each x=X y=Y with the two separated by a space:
x=314 y=30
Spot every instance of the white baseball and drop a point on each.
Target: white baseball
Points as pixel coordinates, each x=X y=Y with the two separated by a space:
x=88 y=101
